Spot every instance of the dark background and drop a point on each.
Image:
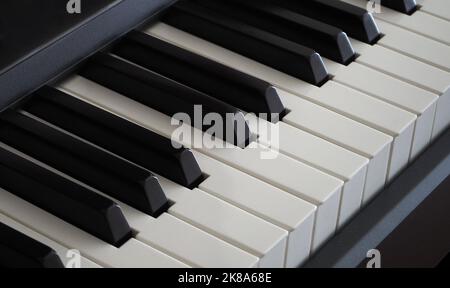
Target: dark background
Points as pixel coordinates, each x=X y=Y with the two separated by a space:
x=422 y=240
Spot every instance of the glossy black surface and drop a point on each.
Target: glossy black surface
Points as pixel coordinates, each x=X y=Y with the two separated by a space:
x=27 y=25
x=248 y=40
x=20 y=251
x=354 y=21
x=226 y=84
x=327 y=40
x=165 y=95
x=40 y=40
x=63 y=198
x=84 y=162
x=115 y=134
x=404 y=6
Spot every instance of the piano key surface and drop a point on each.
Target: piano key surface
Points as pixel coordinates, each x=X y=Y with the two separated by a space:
x=263 y=200
x=229 y=223
x=131 y=254
x=357 y=130
x=438 y=8
x=260 y=71
x=396 y=92
x=317 y=187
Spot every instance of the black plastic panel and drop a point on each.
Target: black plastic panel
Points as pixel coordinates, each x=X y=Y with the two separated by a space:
x=40 y=39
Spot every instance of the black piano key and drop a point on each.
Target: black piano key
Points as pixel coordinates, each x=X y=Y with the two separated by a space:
x=20 y=251
x=403 y=6
x=226 y=84
x=267 y=48
x=86 y=163
x=354 y=21
x=327 y=40
x=117 y=135
x=165 y=95
x=63 y=198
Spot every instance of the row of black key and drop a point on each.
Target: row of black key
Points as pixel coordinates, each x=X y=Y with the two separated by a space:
x=63 y=198
x=248 y=40
x=166 y=95
x=171 y=80
x=95 y=148
x=354 y=21
x=284 y=34
x=209 y=77
x=84 y=162
x=327 y=40
x=130 y=141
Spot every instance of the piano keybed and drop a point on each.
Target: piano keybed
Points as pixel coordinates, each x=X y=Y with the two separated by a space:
x=88 y=162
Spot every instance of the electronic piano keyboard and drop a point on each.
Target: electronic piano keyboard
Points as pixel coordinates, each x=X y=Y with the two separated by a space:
x=338 y=131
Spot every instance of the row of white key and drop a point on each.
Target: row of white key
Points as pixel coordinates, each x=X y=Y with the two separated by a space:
x=391 y=90
x=318 y=188
x=226 y=221
x=131 y=254
x=333 y=159
x=432 y=117
x=415 y=50
x=351 y=103
x=409 y=139
x=304 y=114
x=203 y=231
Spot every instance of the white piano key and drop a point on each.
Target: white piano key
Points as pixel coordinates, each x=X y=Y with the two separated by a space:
x=372 y=112
x=195 y=247
x=283 y=172
x=261 y=199
x=301 y=180
x=419 y=22
x=185 y=242
x=415 y=45
x=323 y=155
x=132 y=254
x=63 y=252
x=438 y=8
x=414 y=72
x=229 y=223
x=344 y=132
x=389 y=89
